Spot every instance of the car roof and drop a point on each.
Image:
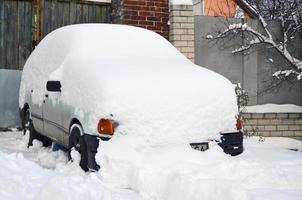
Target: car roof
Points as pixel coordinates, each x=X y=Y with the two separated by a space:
x=110 y=44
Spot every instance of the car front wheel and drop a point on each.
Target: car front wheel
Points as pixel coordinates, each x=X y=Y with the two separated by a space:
x=85 y=145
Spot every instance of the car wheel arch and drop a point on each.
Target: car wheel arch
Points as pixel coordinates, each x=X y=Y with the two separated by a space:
x=25 y=108
x=75 y=121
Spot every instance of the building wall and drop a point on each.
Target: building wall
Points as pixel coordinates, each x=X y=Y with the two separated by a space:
x=253 y=71
x=225 y=8
x=273 y=124
x=182 y=29
x=150 y=14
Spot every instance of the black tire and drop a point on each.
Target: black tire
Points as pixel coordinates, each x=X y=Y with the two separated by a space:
x=26 y=121
x=33 y=134
x=77 y=142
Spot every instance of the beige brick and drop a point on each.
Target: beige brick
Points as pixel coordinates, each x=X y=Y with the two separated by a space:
x=270 y=115
x=270 y=128
x=275 y=121
x=190 y=19
x=178 y=31
x=187 y=37
x=174 y=13
x=295 y=128
x=180 y=43
x=282 y=115
x=179 y=19
x=257 y=115
x=263 y=121
x=298 y=121
x=175 y=26
x=294 y=115
x=246 y=115
x=276 y=133
x=298 y=133
x=250 y=121
x=261 y=128
x=248 y=128
x=187 y=25
x=287 y=133
x=174 y=38
x=187 y=50
x=191 y=56
x=186 y=13
x=287 y=121
x=282 y=127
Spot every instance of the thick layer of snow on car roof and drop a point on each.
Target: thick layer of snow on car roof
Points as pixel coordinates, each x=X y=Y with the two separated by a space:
x=152 y=90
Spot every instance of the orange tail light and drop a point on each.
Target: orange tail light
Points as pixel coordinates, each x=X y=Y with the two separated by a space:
x=105 y=126
x=238 y=123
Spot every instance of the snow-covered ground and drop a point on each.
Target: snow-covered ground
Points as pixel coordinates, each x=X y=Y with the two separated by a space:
x=263 y=171
x=39 y=173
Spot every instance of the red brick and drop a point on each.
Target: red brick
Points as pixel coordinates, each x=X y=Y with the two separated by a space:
x=150 y=14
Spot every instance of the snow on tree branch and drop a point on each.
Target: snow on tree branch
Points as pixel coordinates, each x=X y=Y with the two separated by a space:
x=289 y=14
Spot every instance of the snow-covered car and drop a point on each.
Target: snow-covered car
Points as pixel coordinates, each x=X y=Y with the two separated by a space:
x=90 y=81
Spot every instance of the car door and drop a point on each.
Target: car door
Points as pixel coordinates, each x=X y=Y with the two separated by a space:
x=36 y=110
x=52 y=115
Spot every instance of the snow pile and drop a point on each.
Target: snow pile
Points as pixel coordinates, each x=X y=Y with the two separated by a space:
x=170 y=172
x=156 y=94
x=181 y=2
x=274 y=108
x=22 y=177
x=283 y=142
x=180 y=173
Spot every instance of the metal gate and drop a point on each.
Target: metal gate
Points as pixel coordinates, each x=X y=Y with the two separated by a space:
x=23 y=23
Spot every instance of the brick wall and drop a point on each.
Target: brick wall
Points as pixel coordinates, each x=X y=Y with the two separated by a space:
x=273 y=124
x=182 y=29
x=149 y=14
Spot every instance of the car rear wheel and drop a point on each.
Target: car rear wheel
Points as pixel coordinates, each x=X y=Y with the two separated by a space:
x=85 y=145
x=33 y=134
x=27 y=121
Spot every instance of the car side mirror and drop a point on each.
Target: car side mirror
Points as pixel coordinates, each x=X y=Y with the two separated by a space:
x=53 y=86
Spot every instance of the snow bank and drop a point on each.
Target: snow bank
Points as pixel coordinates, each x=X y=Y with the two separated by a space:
x=22 y=177
x=283 y=142
x=181 y=173
x=181 y=2
x=156 y=94
x=274 y=108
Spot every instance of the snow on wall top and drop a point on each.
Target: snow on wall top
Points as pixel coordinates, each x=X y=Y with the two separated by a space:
x=152 y=90
x=181 y=2
x=274 y=108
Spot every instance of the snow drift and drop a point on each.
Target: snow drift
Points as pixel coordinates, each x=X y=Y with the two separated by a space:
x=156 y=94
